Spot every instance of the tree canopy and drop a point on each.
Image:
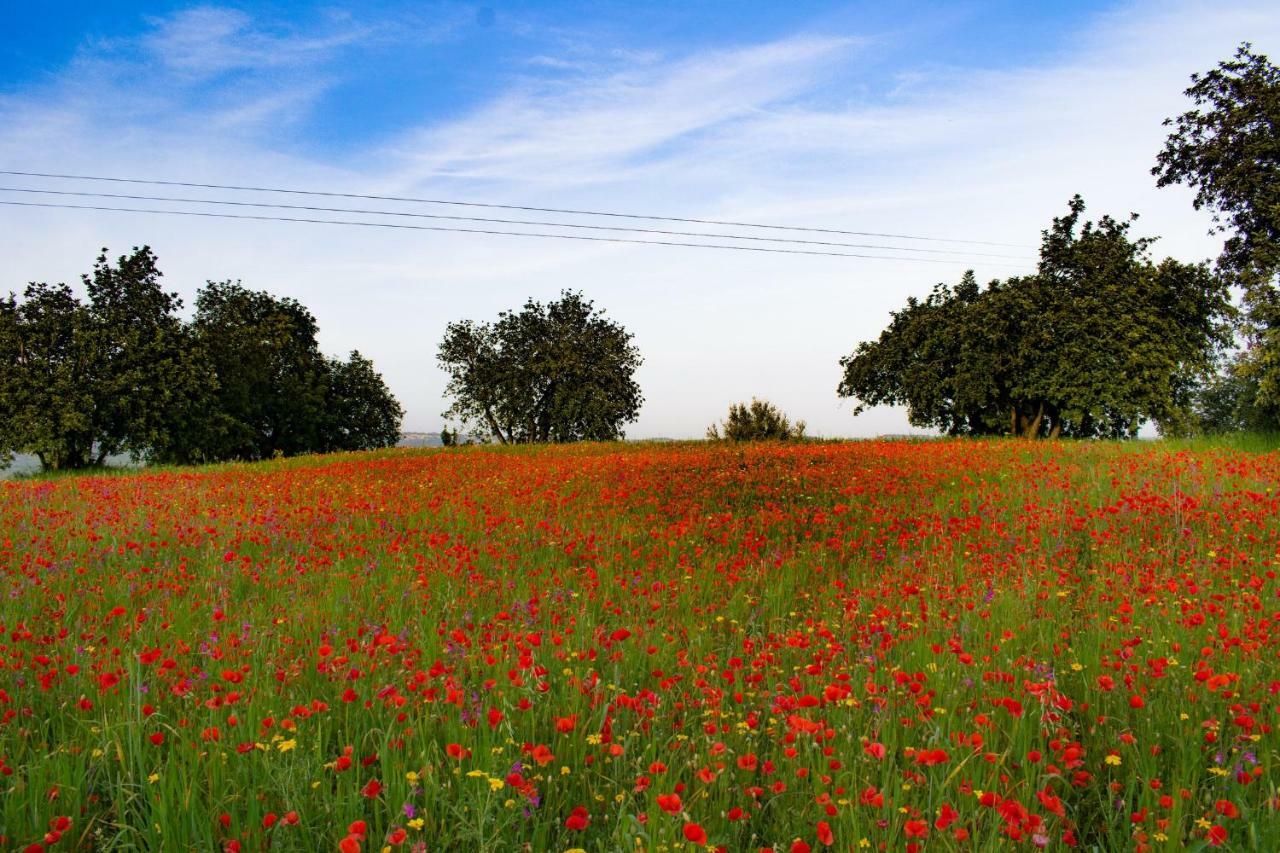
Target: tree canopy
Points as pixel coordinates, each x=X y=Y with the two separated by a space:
x=122 y=373
x=1227 y=148
x=1099 y=340
x=557 y=372
x=80 y=381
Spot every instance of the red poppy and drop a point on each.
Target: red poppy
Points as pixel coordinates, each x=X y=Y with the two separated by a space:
x=578 y=820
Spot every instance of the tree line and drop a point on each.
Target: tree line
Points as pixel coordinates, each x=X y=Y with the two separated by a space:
x=122 y=373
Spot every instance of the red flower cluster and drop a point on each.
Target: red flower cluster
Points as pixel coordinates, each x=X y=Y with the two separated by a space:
x=893 y=646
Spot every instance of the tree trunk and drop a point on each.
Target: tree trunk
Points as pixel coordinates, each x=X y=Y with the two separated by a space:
x=1031 y=428
x=493 y=425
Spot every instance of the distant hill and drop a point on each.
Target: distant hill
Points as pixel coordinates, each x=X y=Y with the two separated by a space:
x=420 y=439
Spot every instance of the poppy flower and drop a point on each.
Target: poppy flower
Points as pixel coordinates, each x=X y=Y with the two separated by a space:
x=695 y=833
x=578 y=820
x=669 y=803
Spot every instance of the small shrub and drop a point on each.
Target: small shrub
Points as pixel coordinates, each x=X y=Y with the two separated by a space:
x=759 y=420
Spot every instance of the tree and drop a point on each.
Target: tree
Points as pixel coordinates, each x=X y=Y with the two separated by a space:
x=148 y=365
x=549 y=373
x=758 y=421
x=80 y=382
x=1099 y=340
x=1228 y=149
x=271 y=376
x=361 y=413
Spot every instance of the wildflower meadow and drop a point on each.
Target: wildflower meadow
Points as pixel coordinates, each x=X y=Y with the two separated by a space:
x=906 y=646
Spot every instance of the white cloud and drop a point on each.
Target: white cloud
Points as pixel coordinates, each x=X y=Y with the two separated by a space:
x=603 y=129
x=208 y=41
x=728 y=134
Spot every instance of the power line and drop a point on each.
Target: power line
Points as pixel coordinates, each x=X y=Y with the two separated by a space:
x=190 y=184
x=317 y=209
x=401 y=225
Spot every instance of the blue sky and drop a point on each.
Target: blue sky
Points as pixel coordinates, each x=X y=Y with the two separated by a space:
x=965 y=121
x=389 y=66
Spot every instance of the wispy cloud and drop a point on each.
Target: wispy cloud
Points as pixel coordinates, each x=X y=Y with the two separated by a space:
x=606 y=128
x=208 y=41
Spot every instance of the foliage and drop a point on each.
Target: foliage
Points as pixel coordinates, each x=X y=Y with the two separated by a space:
x=1097 y=341
x=558 y=372
x=360 y=413
x=967 y=646
x=270 y=394
x=274 y=392
x=758 y=421
x=82 y=381
x=1228 y=150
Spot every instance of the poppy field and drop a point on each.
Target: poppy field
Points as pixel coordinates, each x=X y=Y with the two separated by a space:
x=940 y=645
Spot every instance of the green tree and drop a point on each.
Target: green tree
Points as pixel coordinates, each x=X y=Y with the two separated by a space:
x=548 y=373
x=148 y=366
x=82 y=381
x=271 y=376
x=361 y=413
x=1097 y=341
x=1227 y=148
x=758 y=420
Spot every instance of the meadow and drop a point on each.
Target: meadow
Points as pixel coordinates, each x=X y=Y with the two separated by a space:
x=938 y=645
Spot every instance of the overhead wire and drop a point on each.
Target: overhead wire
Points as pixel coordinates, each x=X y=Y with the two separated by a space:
x=402 y=225
x=497 y=206
x=496 y=221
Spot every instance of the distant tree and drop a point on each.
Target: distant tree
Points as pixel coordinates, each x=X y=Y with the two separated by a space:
x=1097 y=341
x=447 y=438
x=549 y=373
x=82 y=381
x=1228 y=150
x=757 y=421
x=360 y=411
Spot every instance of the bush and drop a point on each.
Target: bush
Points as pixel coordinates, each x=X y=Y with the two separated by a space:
x=758 y=421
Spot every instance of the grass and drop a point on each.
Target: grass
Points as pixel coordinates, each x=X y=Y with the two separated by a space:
x=947 y=644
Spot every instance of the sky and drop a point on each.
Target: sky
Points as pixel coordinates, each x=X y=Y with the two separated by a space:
x=970 y=121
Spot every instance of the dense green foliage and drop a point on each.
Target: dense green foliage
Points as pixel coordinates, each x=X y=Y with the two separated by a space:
x=80 y=381
x=759 y=420
x=1097 y=341
x=558 y=372
x=1228 y=149
x=121 y=373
